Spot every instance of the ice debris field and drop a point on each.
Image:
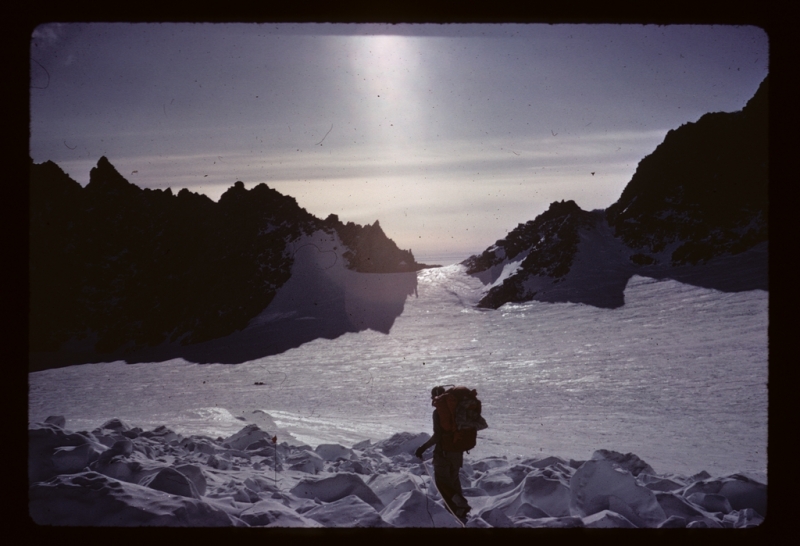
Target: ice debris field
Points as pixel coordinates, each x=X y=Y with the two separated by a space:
x=118 y=475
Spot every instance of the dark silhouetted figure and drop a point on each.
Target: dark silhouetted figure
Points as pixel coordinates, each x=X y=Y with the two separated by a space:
x=446 y=465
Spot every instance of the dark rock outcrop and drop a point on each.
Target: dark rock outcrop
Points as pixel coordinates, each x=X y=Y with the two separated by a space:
x=702 y=191
x=369 y=250
x=696 y=210
x=115 y=268
x=546 y=245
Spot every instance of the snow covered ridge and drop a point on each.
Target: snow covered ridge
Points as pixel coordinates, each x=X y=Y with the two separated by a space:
x=115 y=269
x=695 y=210
x=116 y=475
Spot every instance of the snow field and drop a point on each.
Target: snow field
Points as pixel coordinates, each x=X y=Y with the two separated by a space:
x=677 y=375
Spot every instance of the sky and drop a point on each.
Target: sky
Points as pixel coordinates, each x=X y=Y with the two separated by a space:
x=449 y=135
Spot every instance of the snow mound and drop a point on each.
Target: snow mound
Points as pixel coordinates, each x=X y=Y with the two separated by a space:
x=92 y=499
x=629 y=461
x=546 y=493
x=404 y=442
x=171 y=481
x=335 y=488
x=332 y=452
x=602 y=485
x=388 y=486
x=117 y=475
x=415 y=509
x=272 y=513
x=742 y=492
x=349 y=511
x=606 y=519
x=305 y=461
x=247 y=436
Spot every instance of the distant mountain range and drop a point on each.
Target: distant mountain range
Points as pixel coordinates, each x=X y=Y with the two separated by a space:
x=117 y=269
x=120 y=272
x=696 y=210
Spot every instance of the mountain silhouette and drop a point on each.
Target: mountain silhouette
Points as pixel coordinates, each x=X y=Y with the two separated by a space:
x=117 y=271
x=695 y=210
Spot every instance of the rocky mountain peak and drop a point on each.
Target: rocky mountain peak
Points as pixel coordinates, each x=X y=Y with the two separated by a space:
x=133 y=268
x=106 y=177
x=700 y=198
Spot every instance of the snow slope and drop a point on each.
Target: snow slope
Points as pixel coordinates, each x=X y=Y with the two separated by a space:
x=321 y=299
x=677 y=375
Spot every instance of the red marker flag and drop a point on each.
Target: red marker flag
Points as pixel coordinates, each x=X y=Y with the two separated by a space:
x=274 y=439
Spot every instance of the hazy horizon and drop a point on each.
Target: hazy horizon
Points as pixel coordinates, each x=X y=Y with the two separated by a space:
x=450 y=135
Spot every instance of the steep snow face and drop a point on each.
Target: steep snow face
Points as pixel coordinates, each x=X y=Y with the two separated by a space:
x=322 y=289
x=597 y=268
x=498 y=273
x=677 y=375
x=321 y=299
x=598 y=274
x=545 y=249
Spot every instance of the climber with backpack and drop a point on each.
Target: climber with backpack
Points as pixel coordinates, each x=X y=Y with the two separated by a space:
x=456 y=420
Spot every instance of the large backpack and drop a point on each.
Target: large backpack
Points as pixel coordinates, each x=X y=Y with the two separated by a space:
x=460 y=416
